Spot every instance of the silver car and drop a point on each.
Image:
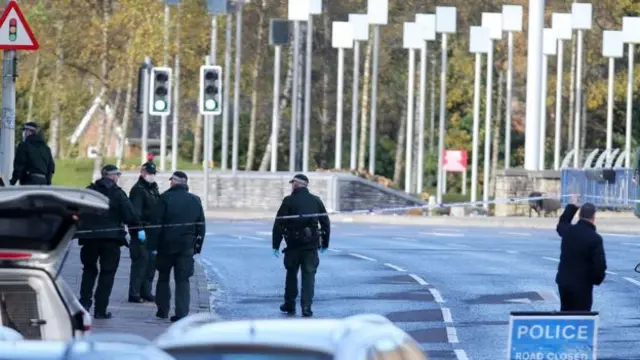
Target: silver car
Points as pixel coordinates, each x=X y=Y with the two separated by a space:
x=96 y=347
x=36 y=226
x=359 y=337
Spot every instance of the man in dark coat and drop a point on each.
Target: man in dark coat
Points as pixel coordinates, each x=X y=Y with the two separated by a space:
x=33 y=163
x=144 y=196
x=101 y=237
x=582 y=258
x=303 y=239
x=179 y=237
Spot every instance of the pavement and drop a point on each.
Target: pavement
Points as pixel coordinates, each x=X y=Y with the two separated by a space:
x=606 y=221
x=451 y=287
x=138 y=319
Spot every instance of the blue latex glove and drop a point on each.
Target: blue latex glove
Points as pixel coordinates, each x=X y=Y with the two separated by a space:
x=154 y=252
x=323 y=250
x=142 y=236
x=276 y=252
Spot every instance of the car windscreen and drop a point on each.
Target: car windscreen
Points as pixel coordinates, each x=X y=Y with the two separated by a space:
x=258 y=353
x=37 y=232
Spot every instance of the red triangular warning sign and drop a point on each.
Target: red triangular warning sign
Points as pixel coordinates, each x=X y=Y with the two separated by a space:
x=15 y=33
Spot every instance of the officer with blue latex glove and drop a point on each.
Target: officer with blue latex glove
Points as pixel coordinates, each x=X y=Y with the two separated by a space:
x=323 y=250
x=276 y=252
x=142 y=236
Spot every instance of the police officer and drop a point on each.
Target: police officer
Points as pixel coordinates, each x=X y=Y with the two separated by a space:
x=101 y=237
x=179 y=237
x=144 y=197
x=582 y=258
x=303 y=239
x=33 y=163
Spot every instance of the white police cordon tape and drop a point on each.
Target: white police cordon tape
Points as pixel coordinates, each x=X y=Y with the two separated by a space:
x=371 y=211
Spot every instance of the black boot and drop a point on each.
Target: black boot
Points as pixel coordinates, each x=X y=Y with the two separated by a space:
x=135 y=299
x=161 y=314
x=306 y=311
x=289 y=310
x=105 y=315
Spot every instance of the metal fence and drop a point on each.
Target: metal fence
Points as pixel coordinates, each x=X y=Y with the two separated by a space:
x=616 y=195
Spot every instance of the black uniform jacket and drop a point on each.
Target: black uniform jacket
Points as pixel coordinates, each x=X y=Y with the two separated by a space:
x=582 y=259
x=301 y=202
x=33 y=156
x=109 y=226
x=144 y=198
x=182 y=218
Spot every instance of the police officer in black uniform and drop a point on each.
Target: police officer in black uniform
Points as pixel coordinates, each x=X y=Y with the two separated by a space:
x=144 y=197
x=582 y=258
x=303 y=239
x=33 y=163
x=179 y=237
x=101 y=237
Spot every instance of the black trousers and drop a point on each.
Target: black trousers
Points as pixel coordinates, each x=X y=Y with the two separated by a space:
x=306 y=261
x=182 y=265
x=575 y=298
x=107 y=253
x=34 y=179
x=143 y=270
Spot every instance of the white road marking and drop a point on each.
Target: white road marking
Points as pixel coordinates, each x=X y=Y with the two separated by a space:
x=418 y=279
x=461 y=354
x=512 y=252
x=611 y=272
x=335 y=250
x=436 y=295
x=353 y=234
x=514 y=233
x=446 y=315
x=452 y=335
x=551 y=259
x=454 y=230
x=209 y=234
x=403 y=238
x=263 y=232
x=620 y=235
x=631 y=244
x=362 y=257
x=441 y=234
x=247 y=237
x=633 y=281
x=459 y=246
x=548 y=295
x=397 y=268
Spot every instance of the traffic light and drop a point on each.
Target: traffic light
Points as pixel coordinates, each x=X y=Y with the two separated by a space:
x=160 y=91
x=13 y=29
x=210 y=90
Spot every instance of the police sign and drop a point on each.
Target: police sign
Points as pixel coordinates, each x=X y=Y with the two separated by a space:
x=553 y=336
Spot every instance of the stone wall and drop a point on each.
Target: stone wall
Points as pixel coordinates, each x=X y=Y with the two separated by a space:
x=517 y=183
x=265 y=190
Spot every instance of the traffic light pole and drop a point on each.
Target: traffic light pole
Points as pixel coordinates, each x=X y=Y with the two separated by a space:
x=7 y=132
x=145 y=109
x=176 y=99
x=163 y=118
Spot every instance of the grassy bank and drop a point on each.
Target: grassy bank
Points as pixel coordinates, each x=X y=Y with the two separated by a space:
x=77 y=172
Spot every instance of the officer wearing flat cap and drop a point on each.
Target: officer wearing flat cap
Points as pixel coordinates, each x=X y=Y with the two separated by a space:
x=101 y=237
x=144 y=196
x=304 y=235
x=179 y=237
x=33 y=163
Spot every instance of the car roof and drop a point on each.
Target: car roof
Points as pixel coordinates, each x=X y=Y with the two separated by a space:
x=36 y=349
x=324 y=335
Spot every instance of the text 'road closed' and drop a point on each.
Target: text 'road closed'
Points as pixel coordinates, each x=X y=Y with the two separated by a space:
x=554 y=336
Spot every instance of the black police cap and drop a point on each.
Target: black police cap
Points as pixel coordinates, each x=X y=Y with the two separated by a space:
x=149 y=167
x=110 y=169
x=300 y=179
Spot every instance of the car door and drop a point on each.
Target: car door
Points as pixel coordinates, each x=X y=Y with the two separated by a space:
x=36 y=226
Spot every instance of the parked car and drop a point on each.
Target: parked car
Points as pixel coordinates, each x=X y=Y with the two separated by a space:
x=36 y=226
x=359 y=337
x=95 y=347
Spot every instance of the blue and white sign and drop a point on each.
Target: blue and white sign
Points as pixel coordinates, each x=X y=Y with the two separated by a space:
x=553 y=337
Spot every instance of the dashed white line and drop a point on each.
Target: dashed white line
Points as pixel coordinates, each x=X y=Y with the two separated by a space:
x=209 y=234
x=515 y=233
x=461 y=354
x=436 y=295
x=263 y=232
x=446 y=315
x=418 y=279
x=441 y=234
x=335 y=250
x=611 y=272
x=633 y=281
x=551 y=259
x=619 y=235
x=248 y=237
x=362 y=257
x=397 y=268
x=403 y=238
x=631 y=244
x=452 y=335
x=512 y=252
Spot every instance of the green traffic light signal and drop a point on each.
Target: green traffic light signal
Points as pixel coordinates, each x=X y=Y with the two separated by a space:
x=210 y=104
x=12 y=37
x=160 y=105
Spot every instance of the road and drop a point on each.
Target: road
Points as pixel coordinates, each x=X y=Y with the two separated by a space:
x=451 y=288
